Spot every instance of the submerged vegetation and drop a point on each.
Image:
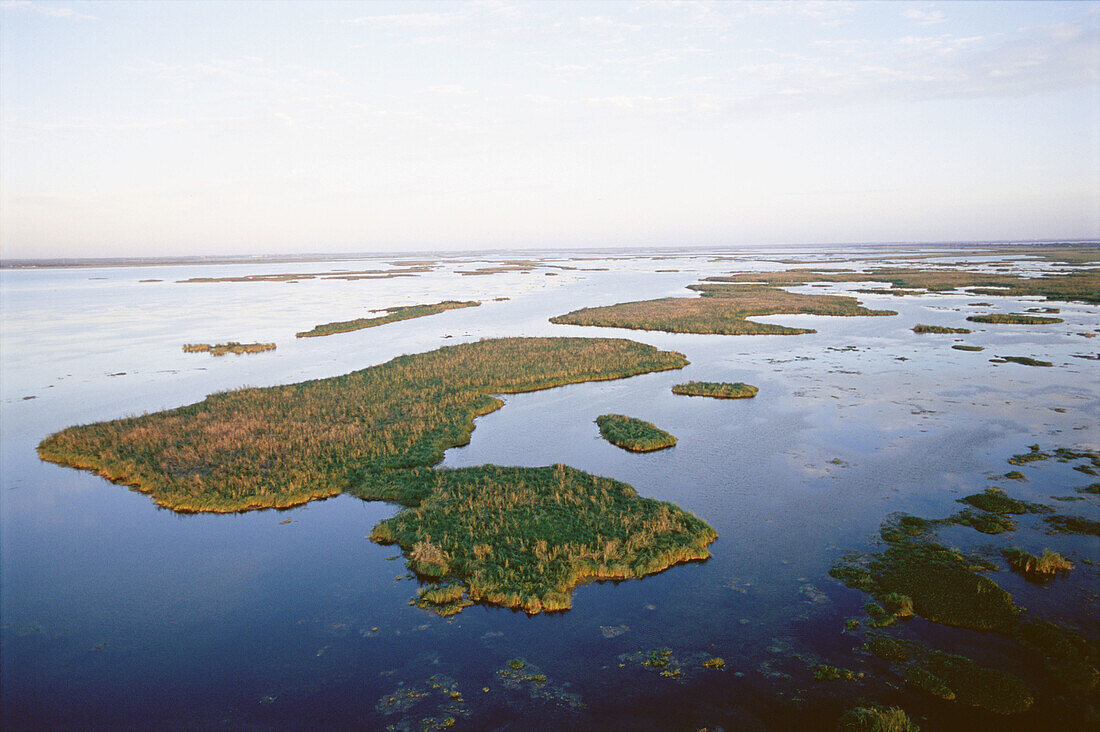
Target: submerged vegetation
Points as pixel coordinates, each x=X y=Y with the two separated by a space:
x=375 y=432
x=524 y=537
x=716 y=389
x=633 y=434
x=922 y=328
x=392 y=315
x=963 y=347
x=720 y=309
x=221 y=349
x=1013 y=319
x=947 y=586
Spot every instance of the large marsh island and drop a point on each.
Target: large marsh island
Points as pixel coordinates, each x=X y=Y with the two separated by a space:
x=374 y=432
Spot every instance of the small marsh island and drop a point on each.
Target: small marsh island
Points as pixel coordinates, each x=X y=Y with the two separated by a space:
x=375 y=434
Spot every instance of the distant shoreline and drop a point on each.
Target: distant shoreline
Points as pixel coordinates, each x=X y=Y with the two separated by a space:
x=103 y=262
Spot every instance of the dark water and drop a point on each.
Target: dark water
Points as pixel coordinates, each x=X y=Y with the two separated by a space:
x=119 y=614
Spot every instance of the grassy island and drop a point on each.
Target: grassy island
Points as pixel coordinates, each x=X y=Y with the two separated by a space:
x=375 y=433
x=282 y=446
x=1082 y=285
x=922 y=328
x=962 y=347
x=633 y=434
x=1026 y=361
x=1013 y=319
x=716 y=389
x=524 y=537
x=392 y=315
x=721 y=309
x=221 y=349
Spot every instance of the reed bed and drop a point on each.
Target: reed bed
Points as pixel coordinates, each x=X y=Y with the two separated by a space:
x=1082 y=285
x=281 y=446
x=392 y=315
x=524 y=537
x=220 y=349
x=721 y=309
x=716 y=389
x=632 y=434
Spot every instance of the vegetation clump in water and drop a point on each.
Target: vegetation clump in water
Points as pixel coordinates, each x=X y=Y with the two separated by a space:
x=964 y=347
x=1026 y=361
x=876 y=718
x=941 y=583
x=1013 y=319
x=633 y=434
x=1083 y=285
x=716 y=389
x=996 y=500
x=392 y=315
x=956 y=677
x=524 y=537
x=721 y=309
x=987 y=523
x=285 y=445
x=922 y=328
x=375 y=432
x=1073 y=525
x=1043 y=567
x=220 y=349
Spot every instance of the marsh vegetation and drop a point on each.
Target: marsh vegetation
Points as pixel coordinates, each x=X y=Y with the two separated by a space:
x=720 y=309
x=1082 y=285
x=524 y=537
x=716 y=389
x=1013 y=319
x=392 y=315
x=922 y=328
x=633 y=434
x=220 y=349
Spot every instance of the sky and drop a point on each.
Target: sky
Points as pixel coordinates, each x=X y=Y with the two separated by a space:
x=220 y=128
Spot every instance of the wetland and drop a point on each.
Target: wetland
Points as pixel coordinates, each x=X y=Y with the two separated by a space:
x=421 y=527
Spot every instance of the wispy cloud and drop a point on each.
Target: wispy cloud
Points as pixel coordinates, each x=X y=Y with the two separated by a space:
x=924 y=16
x=52 y=11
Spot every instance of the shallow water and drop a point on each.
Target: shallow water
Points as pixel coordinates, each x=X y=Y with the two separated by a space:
x=120 y=614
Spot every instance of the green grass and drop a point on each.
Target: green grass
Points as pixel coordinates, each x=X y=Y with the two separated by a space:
x=1013 y=319
x=284 y=445
x=221 y=349
x=518 y=537
x=392 y=315
x=633 y=434
x=1042 y=567
x=996 y=500
x=921 y=328
x=1026 y=361
x=716 y=389
x=1082 y=285
x=962 y=347
x=987 y=523
x=876 y=719
x=524 y=537
x=720 y=309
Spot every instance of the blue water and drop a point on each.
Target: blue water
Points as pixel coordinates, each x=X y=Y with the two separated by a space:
x=119 y=614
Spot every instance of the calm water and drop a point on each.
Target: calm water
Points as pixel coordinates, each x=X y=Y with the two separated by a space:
x=119 y=614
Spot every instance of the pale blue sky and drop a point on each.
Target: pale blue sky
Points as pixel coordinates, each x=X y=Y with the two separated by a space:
x=157 y=128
